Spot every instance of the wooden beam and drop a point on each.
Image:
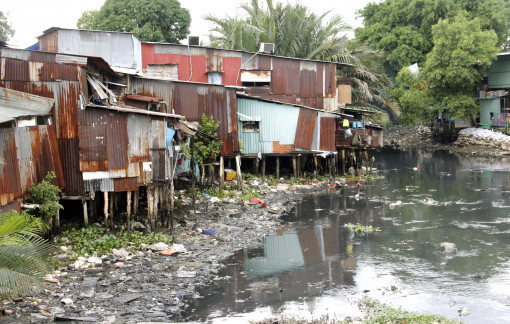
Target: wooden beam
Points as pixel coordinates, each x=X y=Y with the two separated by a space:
x=85 y=213
x=263 y=166
x=222 y=172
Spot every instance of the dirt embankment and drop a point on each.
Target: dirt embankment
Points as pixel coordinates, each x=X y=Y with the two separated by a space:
x=471 y=141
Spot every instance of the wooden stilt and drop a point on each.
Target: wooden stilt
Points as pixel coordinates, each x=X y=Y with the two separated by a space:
x=229 y=163
x=150 y=207
x=299 y=174
x=343 y=161
x=256 y=166
x=135 y=202
x=170 y=217
x=105 y=209
x=85 y=213
x=315 y=166
x=278 y=168
x=210 y=178
x=263 y=166
x=238 y=172
x=57 y=221
x=156 y=207
x=128 y=210
x=336 y=164
x=294 y=166
x=222 y=172
x=112 y=199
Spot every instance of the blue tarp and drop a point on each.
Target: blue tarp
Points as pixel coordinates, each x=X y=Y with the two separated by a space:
x=34 y=47
x=169 y=135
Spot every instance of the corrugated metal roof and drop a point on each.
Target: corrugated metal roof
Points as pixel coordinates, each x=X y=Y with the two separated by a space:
x=14 y=104
x=118 y=49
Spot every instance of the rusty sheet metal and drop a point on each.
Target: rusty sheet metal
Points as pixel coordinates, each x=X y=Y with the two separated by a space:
x=14 y=104
x=117 y=141
x=231 y=68
x=213 y=59
x=92 y=140
x=139 y=132
x=125 y=184
x=305 y=129
x=66 y=96
x=49 y=42
x=15 y=205
x=327 y=137
x=142 y=98
x=70 y=159
x=125 y=109
x=255 y=76
x=28 y=154
x=158 y=144
x=10 y=184
x=330 y=79
x=162 y=71
x=24 y=70
x=265 y=62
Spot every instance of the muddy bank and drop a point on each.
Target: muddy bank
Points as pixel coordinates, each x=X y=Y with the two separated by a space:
x=474 y=142
x=148 y=286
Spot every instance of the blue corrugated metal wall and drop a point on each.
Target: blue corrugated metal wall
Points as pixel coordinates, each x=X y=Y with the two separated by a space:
x=278 y=122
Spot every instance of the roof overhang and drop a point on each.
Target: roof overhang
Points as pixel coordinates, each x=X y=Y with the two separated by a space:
x=15 y=104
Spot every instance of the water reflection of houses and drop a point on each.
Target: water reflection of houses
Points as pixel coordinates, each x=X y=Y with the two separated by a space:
x=291 y=264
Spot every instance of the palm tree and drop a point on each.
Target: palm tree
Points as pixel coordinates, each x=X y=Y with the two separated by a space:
x=23 y=254
x=298 y=32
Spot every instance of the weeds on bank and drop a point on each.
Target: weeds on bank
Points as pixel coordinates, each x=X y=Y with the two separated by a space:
x=88 y=240
x=377 y=312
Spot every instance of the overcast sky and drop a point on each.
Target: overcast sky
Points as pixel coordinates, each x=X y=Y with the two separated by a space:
x=30 y=17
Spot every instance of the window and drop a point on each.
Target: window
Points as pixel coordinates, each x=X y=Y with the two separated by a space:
x=250 y=126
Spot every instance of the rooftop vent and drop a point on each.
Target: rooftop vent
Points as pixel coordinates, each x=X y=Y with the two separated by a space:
x=267 y=48
x=194 y=40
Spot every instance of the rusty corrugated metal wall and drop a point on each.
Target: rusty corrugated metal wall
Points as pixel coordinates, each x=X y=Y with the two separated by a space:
x=46 y=75
x=192 y=100
x=327 y=137
x=27 y=155
x=295 y=81
x=305 y=129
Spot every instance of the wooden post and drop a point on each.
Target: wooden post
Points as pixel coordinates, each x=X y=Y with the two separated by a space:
x=315 y=165
x=229 y=163
x=294 y=166
x=336 y=164
x=135 y=202
x=85 y=213
x=210 y=181
x=170 y=218
x=150 y=206
x=263 y=166
x=299 y=166
x=128 y=210
x=193 y=168
x=105 y=208
x=256 y=166
x=238 y=172
x=203 y=175
x=92 y=210
x=343 y=161
x=112 y=199
x=57 y=220
x=277 y=168
x=222 y=172
x=156 y=207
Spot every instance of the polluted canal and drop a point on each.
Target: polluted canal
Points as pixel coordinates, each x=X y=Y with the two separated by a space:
x=441 y=246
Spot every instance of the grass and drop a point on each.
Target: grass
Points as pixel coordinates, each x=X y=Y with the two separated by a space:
x=87 y=240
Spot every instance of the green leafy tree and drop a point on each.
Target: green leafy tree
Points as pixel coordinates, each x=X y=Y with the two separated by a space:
x=23 y=254
x=151 y=20
x=6 y=30
x=403 y=28
x=86 y=20
x=46 y=194
x=461 y=55
x=207 y=146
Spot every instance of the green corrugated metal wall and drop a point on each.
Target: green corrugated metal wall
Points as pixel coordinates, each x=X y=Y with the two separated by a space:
x=499 y=73
x=278 y=122
x=486 y=107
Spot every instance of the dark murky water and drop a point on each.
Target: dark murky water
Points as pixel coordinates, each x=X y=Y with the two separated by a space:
x=315 y=266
